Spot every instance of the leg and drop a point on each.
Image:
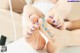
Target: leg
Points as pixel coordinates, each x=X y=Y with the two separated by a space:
x=75 y=38
x=57 y=38
x=73 y=41
x=72 y=25
x=52 y=48
x=60 y=38
x=32 y=35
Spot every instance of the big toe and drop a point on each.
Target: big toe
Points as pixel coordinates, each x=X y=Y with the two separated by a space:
x=34 y=18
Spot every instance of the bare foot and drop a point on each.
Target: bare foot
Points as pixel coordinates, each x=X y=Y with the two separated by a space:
x=58 y=39
x=31 y=27
x=56 y=19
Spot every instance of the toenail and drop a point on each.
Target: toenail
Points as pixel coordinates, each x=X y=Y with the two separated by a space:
x=58 y=27
x=30 y=15
x=29 y=33
x=37 y=23
x=52 y=24
x=32 y=30
x=33 y=27
x=50 y=17
x=53 y=21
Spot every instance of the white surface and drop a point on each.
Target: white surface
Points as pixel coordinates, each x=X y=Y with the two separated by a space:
x=6 y=25
x=21 y=46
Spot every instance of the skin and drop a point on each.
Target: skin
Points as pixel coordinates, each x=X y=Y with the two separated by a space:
x=30 y=28
x=70 y=39
x=73 y=25
x=62 y=38
x=52 y=47
x=36 y=14
x=72 y=36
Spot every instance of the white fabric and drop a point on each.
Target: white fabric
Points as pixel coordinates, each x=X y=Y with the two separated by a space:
x=43 y=6
x=29 y=1
x=21 y=46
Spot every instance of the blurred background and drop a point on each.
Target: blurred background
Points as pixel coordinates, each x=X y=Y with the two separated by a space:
x=6 y=23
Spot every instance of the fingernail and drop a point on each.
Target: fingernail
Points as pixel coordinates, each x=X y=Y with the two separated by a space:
x=50 y=17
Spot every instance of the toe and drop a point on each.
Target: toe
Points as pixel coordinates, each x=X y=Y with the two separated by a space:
x=28 y=33
x=34 y=18
x=49 y=19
